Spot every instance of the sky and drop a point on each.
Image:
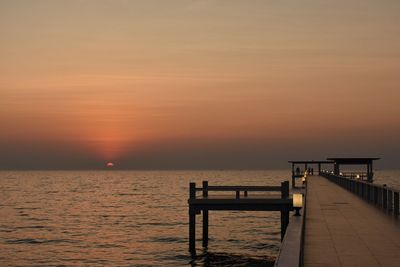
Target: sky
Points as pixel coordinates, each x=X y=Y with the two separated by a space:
x=197 y=84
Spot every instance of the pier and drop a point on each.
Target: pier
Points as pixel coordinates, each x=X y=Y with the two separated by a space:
x=343 y=229
x=346 y=219
x=242 y=200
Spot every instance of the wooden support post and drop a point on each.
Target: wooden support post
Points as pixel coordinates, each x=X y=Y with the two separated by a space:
x=192 y=221
x=205 y=229
x=237 y=194
x=285 y=209
x=319 y=168
x=192 y=232
x=205 y=189
x=396 y=204
x=285 y=189
x=245 y=193
x=205 y=217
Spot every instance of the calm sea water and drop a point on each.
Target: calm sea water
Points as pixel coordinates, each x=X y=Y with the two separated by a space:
x=130 y=218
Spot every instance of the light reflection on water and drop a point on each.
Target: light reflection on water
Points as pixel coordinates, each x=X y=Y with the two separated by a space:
x=128 y=218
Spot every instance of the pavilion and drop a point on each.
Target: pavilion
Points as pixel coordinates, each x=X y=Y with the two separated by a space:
x=368 y=162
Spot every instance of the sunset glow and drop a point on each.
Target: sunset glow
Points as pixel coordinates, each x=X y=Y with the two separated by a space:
x=127 y=81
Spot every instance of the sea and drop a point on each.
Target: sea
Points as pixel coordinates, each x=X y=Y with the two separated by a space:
x=132 y=218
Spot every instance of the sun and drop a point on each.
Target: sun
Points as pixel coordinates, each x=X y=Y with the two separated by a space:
x=110 y=164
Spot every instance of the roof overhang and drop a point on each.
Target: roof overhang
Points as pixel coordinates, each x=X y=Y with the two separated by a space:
x=311 y=161
x=353 y=161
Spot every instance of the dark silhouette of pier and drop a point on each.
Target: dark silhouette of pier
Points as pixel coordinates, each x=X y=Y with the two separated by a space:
x=206 y=202
x=347 y=220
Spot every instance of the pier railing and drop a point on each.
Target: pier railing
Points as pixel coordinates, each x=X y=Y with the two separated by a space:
x=380 y=195
x=237 y=189
x=355 y=175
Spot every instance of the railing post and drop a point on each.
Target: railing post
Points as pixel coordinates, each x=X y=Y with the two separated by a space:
x=390 y=200
x=237 y=194
x=396 y=204
x=380 y=197
x=369 y=192
x=385 y=198
x=192 y=221
x=375 y=195
x=205 y=217
x=361 y=189
x=365 y=191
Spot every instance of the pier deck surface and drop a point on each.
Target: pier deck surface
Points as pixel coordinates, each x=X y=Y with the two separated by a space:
x=344 y=230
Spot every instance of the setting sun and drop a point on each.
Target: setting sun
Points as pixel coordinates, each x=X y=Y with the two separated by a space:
x=110 y=164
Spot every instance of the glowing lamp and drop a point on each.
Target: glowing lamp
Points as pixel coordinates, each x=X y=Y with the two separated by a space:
x=358 y=176
x=341 y=174
x=297 y=203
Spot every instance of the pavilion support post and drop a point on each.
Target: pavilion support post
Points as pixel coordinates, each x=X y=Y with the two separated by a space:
x=319 y=168
x=370 y=174
x=205 y=217
x=336 y=170
x=192 y=221
x=293 y=177
x=284 y=209
x=293 y=181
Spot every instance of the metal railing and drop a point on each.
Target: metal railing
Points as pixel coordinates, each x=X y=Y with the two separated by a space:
x=380 y=195
x=355 y=175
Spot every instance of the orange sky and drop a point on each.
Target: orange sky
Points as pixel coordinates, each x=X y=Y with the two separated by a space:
x=171 y=81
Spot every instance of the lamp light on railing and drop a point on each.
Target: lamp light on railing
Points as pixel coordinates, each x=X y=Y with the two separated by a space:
x=358 y=176
x=297 y=203
x=341 y=173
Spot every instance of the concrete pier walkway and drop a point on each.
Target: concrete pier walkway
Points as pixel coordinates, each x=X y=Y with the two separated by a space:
x=344 y=230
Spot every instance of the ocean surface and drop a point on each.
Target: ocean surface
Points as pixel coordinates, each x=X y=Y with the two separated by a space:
x=131 y=218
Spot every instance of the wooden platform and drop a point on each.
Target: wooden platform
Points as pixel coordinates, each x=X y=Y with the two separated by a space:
x=344 y=230
x=246 y=198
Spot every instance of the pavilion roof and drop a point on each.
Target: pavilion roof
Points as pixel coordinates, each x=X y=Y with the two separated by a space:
x=353 y=161
x=311 y=161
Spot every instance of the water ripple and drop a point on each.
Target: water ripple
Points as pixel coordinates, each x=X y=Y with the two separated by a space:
x=39 y=241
